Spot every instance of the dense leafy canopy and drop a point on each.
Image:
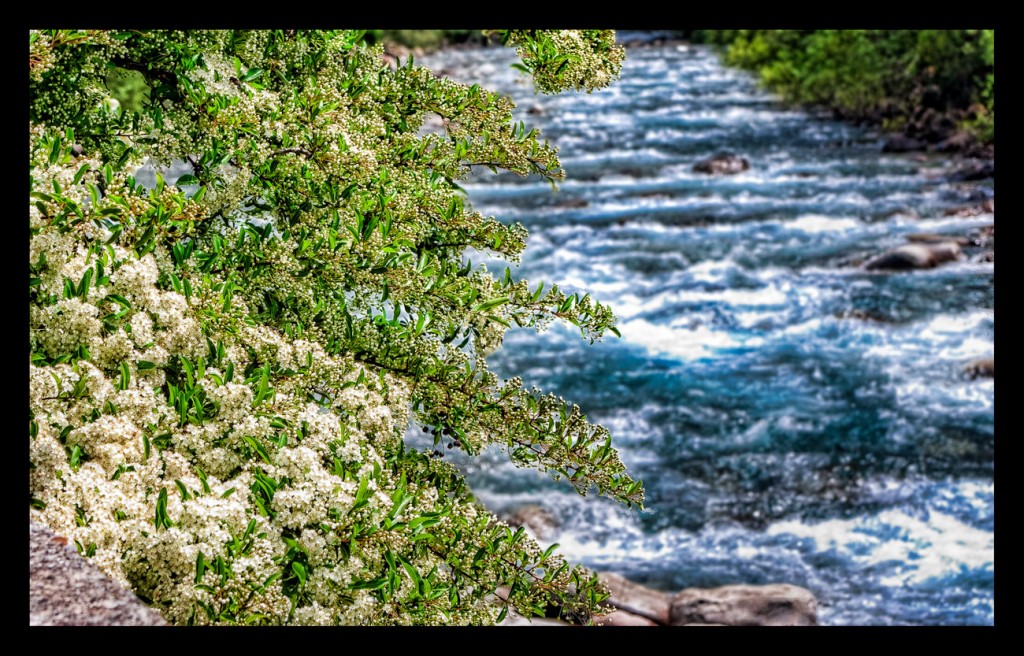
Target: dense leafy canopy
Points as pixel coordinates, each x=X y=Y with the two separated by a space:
x=866 y=73
x=223 y=364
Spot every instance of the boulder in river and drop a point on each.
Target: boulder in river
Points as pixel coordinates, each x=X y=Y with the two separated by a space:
x=863 y=315
x=636 y=599
x=538 y=520
x=976 y=171
x=901 y=143
x=959 y=141
x=981 y=368
x=986 y=207
x=915 y=256
x=745 y=605
x=722 y=164
x=934 y=238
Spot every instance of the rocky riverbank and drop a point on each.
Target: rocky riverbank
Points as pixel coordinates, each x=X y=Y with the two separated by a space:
x=633 y=604
x=66 y=590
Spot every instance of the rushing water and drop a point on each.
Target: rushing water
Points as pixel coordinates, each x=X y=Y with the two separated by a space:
x=794 y=417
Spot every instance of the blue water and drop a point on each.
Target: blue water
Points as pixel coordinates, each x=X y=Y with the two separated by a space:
x=780 y=437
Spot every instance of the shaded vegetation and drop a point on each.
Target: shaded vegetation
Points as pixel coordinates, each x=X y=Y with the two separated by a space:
x=889 y=77
x=426 y=39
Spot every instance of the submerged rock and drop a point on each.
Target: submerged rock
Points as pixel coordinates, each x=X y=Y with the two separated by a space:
x=915 y=256
x=986 y=207
x=983 y=236
x=722 y=164
x=863 y=315
x=745 y=605
x=981 y=368
x=978 y=171
x=933 y=238
x=900 y=143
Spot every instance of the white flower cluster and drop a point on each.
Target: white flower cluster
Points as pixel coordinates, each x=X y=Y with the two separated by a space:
x=207 y=426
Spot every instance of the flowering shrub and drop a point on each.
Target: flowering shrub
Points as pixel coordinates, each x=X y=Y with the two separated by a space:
x=223 y=365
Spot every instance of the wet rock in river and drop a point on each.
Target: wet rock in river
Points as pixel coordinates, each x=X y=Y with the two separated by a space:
x=538 y=520
x=983 y=236
x=745 y=605
x=958 y=141
x=933 y=238
x=722 y=164
x=976 y=171
x=863 y=315
x=900 y=143
x=915 y=256
x=636 y=599
x=981 y=368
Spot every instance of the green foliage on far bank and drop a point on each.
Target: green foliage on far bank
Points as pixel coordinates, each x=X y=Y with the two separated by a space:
x=426 y=39
x=882 y=76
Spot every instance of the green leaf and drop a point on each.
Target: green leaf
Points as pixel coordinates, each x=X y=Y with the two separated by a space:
x=75 y=459
x=491 y=304
x=161 y=518
x=126 y=377
x=200 y=567
x=300 y=571
x=82 y=170
x=372 y=584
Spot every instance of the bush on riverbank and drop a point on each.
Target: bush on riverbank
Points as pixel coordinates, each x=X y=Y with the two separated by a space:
x=223 y=364
x=889 y=77
x=426 y=39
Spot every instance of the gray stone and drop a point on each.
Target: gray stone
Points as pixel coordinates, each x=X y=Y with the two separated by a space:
x=933 y=238
x=900 y=143
x=745 y=605
x=915 y=256
x=722 y=164
x=981 y=368
x=636 y=599
x=67 y=590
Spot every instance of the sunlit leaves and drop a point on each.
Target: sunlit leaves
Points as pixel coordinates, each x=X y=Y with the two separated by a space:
x=308 y=273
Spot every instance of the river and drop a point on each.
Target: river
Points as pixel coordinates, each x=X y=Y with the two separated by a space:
x=795 y=418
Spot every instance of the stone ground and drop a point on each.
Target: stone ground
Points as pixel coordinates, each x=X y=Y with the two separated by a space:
x=67 y=590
